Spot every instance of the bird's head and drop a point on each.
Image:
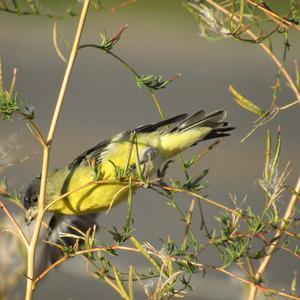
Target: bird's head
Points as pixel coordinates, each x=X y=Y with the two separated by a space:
x=30 y=199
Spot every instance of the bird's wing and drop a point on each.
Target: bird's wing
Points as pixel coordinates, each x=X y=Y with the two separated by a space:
x=101 y=150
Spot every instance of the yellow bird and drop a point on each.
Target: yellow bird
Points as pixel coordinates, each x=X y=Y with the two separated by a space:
x=139 y=152
x=145 y=148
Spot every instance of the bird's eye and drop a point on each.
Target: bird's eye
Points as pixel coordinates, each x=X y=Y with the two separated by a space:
x=34 y=199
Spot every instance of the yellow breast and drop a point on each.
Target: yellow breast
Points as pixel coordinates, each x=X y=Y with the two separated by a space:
x=96 y=197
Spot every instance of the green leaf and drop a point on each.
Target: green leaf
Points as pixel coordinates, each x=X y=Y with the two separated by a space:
x=108 y=43
x=153 y=81
x=276 y=156
x=245 y=103
x=8 y=106
x=268 y=155
x=120 y=284
x=145 y=253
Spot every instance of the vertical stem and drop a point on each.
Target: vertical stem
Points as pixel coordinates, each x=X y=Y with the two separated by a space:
x=270 y=251
x=46 y=154
x=68 y=70
x=37 y=228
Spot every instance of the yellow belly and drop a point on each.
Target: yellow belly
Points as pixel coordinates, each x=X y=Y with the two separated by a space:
x=91 y=199
x=94 y=198
x=98 y=197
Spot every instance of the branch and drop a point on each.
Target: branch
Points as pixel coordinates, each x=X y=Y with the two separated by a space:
x=131 y=69
x=278 y=19
x=168 y=188
x=15 y=223
x=278 y=234
x=46 y=154
x=262 y=45
x=159 y=255
x=68 y=71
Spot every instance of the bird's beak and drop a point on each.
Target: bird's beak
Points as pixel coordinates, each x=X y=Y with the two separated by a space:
x=30 y=214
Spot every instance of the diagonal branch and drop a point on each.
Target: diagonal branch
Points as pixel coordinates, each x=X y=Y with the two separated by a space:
x=278 y=19
x=278 y=234
x=15 y=223
x=159 y=255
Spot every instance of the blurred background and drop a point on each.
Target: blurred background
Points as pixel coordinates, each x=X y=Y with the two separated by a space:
x=162 y=38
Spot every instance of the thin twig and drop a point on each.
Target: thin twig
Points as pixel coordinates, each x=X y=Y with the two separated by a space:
x=288 y=105
x=263 y=46
x=55 y=43
x=159 y=255
x=69 y=68
x=35 y=132
x=177 y=190
x=16 y=225
x=132 y=70
x=39 y=219
x=281 y=21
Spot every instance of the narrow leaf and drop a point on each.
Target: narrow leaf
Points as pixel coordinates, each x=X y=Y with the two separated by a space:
x=268 y=155
x=245 y=103
x=276 y=156
x=130 y=282
x=119 y=282
x=145 y=253
x=188 y=223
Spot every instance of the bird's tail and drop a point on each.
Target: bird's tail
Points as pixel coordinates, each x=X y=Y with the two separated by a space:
x=195 y=128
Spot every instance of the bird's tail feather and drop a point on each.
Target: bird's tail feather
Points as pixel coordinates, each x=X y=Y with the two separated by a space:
x=200 y=119
x=193 y=129
x=214 y=120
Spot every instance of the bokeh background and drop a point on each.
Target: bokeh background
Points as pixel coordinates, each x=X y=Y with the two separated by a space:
x=103 y=99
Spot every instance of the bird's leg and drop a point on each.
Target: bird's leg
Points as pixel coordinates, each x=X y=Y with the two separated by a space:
x=161 y=172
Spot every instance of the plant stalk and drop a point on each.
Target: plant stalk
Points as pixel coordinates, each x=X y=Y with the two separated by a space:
x=270 y=251
x=46 y=154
